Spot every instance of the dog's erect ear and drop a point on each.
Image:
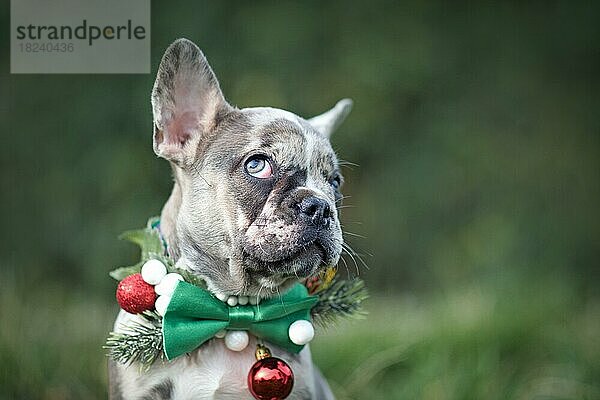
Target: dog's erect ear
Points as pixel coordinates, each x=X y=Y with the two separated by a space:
x=186 y=102
x=329 y=121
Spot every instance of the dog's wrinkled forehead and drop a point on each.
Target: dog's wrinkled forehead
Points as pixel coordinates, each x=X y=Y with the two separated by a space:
x=292 y=140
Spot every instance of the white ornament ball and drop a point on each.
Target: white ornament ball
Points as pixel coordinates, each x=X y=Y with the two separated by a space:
x=301 y=332
x=254 y=300
x=161 y=304
x=153 y=271
x=221 y=334
x=232 y=301
x=236 y=340
x=222 y=296
x=166 y=287
x=242 y=300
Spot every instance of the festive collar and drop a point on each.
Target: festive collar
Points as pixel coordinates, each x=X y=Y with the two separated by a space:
x=178 y=314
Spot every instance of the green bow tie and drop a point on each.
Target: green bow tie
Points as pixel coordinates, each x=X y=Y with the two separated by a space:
x=194 y=316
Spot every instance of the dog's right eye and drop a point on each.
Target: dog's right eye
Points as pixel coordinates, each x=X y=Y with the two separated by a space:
x=259 y=167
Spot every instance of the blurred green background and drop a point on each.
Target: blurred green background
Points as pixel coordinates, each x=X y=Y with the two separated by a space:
x=476 y=132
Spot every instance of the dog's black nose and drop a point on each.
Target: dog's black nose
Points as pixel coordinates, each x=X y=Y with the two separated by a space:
x=316 y=211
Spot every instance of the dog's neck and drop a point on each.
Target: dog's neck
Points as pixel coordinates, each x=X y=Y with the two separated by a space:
x=168 y=218
x=168 y=231
x=169 y=214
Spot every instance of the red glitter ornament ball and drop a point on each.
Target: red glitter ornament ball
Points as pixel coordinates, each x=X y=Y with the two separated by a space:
x=270 y=379
x=134 y=295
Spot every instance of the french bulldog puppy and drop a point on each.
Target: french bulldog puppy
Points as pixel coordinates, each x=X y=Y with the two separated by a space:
x=253 y=210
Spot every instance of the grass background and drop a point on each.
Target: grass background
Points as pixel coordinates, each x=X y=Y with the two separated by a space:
x=476 y=131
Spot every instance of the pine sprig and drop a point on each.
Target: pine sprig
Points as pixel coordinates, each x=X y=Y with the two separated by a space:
x=138 y=343
x=148 y=239
x=341 y=299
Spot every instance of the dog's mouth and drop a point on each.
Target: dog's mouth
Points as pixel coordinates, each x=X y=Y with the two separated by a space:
x=264 y=270
x=300 y=262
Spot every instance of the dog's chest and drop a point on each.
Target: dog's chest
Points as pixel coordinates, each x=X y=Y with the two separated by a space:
x=211 y=372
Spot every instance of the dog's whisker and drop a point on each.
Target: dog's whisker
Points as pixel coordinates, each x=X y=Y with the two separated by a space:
x=345 y=263
x=343 y=225
x=346 y=163
x=195 y=167
x=296 y=274
x=260 y=288
x=354 y=234
x=353 y=259
x=342 y=198
x=362 y=254
x=350 y=249
x=261 y=249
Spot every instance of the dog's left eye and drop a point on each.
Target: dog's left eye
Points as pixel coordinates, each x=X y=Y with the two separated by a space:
x=259 y=167
x=336 y=182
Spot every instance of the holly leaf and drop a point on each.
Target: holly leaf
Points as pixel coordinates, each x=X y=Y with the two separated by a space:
x=123 y=272
x=148 y=239
x=151 y=246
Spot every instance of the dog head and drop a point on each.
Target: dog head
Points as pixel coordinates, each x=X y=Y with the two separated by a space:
x=254 y=206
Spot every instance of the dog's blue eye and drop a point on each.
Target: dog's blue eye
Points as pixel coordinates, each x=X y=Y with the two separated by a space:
x=336 y=182
x=259 y=167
